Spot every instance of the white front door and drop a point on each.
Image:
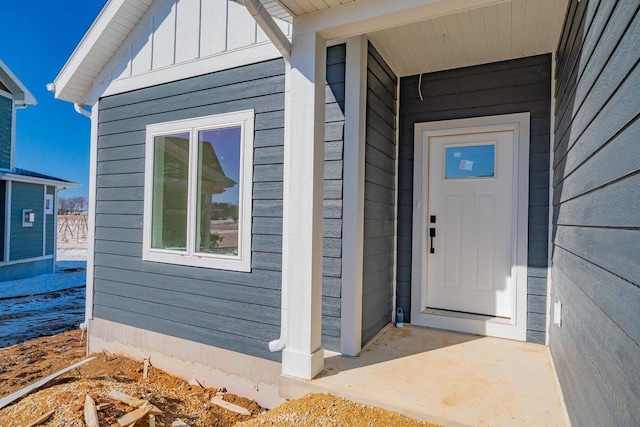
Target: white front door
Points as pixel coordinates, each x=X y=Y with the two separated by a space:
x=470 y=223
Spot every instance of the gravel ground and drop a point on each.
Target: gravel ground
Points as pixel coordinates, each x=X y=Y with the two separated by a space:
x=27 y=362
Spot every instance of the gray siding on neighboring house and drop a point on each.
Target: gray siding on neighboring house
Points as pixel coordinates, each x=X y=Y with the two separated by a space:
x=6 y=114
x=3 y=199
x=333 y=161
x=596 y=184
x=26 y=242
x=515 y=86
x=379 y=199
x=51 y=224
x=233 y=310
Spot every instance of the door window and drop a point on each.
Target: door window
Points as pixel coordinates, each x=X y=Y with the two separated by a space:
x=470 y=161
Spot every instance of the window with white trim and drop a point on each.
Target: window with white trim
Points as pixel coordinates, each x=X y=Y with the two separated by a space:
x=198 y=181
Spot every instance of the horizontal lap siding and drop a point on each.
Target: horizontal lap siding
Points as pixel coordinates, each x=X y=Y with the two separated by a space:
x=232 y=310
x=516 y=86
x=596 y=183
x=26 y=242
x=332 y=236
x=379 y=200
x=6 y=118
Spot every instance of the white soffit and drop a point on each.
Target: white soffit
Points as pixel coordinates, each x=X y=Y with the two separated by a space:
x=303 y=7
x=112 y=26
x=498 y=32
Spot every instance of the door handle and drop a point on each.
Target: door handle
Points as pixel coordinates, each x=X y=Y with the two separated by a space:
x=432 y=234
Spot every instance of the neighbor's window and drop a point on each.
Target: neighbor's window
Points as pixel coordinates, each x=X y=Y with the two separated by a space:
x=198 y=191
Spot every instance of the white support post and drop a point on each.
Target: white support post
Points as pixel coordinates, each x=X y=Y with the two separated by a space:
x=303 y=196
x=353 y=195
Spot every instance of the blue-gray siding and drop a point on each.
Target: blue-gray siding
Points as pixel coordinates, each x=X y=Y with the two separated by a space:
x=379 y=199
x=596 y=210
x=332 y=240
x=6 y=112
x=232 y=310
x=519 y=85
x=3 y=190
x=26 y=242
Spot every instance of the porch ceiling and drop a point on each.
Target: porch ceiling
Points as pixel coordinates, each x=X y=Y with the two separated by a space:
x=498 y=32
x=302 y=7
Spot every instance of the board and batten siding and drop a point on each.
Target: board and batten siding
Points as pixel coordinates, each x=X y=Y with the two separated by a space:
x=233 y=310
x=596 y=211
x=178 y=31
x=333 y=184
x=515 y=86
x=379 y=196
x=6 y=119
x=26 y=242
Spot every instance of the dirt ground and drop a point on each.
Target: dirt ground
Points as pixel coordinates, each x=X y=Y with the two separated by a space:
x=27 y=362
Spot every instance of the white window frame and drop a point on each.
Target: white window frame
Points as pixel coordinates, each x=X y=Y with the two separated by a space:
x=242 y=262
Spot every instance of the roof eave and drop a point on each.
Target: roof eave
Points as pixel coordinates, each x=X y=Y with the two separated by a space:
x=21 y=95
x=35 y=180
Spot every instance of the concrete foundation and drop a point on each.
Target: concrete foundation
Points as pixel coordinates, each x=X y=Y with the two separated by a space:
x=247 y=376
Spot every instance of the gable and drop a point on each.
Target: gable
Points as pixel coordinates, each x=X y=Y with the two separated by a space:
x=169 y=34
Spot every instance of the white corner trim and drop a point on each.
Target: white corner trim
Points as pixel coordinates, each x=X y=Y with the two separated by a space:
x=242 y=262
x=7 y=223
x=353 y=195
x=91 y=218
x=516 y=327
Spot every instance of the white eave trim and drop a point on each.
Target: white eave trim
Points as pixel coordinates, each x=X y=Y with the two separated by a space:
x=19 y=91
x=35 y=180
x=94 y=34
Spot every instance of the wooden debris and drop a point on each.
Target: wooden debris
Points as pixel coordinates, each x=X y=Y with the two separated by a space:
x=132 y=401
x=145 y=369
x=125 y=398
x=41 y=419
x=90 y=412
x=134 y=416
x=101 y=406
x=22 y=392
x=152 y=420
x=230 y=406
x=179 y=423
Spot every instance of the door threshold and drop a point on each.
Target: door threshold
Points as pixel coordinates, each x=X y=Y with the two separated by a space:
x=469 y=316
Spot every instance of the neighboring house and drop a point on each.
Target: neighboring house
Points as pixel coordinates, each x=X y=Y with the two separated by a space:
x=473 y=163
x=27 y=199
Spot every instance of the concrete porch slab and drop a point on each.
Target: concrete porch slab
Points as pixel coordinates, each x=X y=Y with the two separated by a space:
x=446 y=378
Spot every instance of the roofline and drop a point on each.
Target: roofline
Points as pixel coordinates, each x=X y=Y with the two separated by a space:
x=21 y=94
x=35 y=180
x=84 y=39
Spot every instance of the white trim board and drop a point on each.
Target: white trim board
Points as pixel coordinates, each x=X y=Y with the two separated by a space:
x=516 y=326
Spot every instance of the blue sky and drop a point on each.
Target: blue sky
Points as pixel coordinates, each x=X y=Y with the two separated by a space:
x=37 y=38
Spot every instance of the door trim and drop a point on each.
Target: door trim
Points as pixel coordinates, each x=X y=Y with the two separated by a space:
x=516 y=326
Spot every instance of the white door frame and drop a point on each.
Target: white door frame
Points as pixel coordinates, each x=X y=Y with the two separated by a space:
x=516 y=326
